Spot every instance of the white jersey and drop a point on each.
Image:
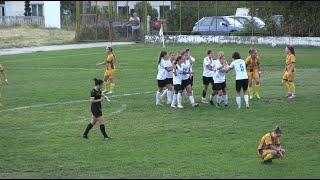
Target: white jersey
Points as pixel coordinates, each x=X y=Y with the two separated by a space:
x=177 y=79
x=193 y=60
x=239 y=66
x=162 y=72
x=206 y=72
x=170 y=73
x=186 y=69
x=220 y=75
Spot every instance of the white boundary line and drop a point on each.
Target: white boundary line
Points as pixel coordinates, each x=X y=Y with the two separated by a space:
x=66 y=102
x=70 y=55
x=81 y=120
x=40 y=68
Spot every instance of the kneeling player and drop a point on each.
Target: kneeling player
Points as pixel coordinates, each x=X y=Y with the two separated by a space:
x=270 y=147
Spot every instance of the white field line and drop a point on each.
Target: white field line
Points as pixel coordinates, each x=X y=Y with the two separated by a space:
x=66 y=102
x=71 y=55
x=82 y=120
x=40 y=68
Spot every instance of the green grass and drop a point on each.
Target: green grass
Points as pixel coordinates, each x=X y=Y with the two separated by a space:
x=150 y=141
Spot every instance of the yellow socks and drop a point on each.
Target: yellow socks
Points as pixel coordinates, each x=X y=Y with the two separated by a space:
x=251 y=92
x=107 y=85
x=112 y=87
x=286 y=86
x=257 y=91
x=292 y=87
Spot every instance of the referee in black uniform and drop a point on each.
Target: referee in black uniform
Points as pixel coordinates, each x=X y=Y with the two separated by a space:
x=96 y=98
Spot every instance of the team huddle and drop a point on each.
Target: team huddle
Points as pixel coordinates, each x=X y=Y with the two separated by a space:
x=176 y=74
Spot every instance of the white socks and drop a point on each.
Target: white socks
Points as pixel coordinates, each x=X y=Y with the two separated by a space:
x=225 y=99
x=158 y=96
x=179 y=98
x=169 y=95
x=238 y=100
x=191 y=98
x=219 y=99
x=174 y=100
x=246 y=99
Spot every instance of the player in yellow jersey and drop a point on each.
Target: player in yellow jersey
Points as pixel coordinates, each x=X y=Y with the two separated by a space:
x=289 y=73
x=3 y=80
x=110 y=72
x=253 y=70
x=270 y=146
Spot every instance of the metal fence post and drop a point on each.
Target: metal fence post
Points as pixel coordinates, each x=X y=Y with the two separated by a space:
x=145 y=18
x=77 y=36
x=180 y=15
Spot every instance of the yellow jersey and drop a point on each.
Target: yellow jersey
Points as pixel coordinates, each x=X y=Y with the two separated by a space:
x=252 y=64
x=266 y=141
x=1 y=67
x=110 y=62
x=289 y=60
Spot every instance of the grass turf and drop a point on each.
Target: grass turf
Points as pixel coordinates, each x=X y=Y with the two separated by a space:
x=43 y=140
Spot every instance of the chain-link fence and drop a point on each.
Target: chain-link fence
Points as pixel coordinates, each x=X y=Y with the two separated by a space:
x=107 y=20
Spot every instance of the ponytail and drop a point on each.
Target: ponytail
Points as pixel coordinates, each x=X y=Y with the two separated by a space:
x=97 y=81
x=162 y=54
x=278 y=130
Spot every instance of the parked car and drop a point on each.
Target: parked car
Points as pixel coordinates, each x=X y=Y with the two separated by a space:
x=248 y=19
x=216 y=25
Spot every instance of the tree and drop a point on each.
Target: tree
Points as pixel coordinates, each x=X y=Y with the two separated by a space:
x=27 y=9
x=140 y=9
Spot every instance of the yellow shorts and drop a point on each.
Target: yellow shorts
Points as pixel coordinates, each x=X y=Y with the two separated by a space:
x=253 y=74
x=110 y=73
x=286 y=76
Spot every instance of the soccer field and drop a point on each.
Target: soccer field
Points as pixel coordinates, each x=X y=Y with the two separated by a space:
x=46 y=111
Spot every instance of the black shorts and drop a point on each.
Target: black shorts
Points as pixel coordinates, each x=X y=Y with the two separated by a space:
x=220 y=86
x=207 y=80
x=162 y=83
x=213 y=86
x=177 y=87
x=191 y=80
x=96 y=112
x=169 y=80
x=243 y=83
x=185 y=83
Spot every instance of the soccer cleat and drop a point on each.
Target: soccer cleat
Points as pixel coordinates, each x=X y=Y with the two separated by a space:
x=263 y=161
x=289 y=94
x=180 y=106
x=292 y=96
x=159 y=104
x=203 y=100
x=85 y=137
x=106 y=139
x=258 y=96
x=226 y=105
x=247 y=106
x=195 y=105
x=174 y=107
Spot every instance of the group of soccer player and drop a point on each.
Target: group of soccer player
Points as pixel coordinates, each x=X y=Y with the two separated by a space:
x=175 y=73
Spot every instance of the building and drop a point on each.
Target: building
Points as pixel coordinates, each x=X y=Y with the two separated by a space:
x=160 y=6
x=49 y=10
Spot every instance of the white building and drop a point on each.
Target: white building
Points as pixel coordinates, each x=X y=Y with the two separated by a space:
x=50 y=10
x=160 y=6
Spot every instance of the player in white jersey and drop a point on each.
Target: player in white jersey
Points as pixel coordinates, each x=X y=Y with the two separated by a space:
x=169 y=90
x=192 y=62
x=220 y=68
x=241 y=78
x=163 y=68
x=185 y=84
x=177 y=81
x=207 y=74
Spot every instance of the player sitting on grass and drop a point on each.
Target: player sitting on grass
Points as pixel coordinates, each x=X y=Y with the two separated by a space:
x=3 y=79
x=270 y=147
